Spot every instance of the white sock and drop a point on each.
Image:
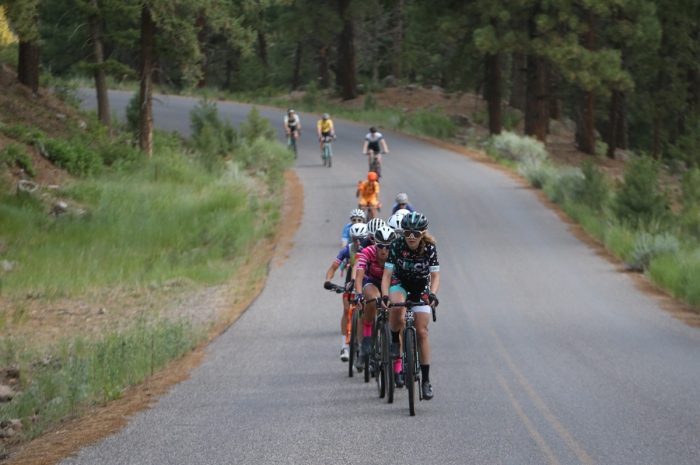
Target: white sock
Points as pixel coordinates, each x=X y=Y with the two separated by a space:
x=345 y=344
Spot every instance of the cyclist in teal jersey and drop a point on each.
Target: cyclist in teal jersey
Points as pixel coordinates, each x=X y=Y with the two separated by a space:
x=412 y=272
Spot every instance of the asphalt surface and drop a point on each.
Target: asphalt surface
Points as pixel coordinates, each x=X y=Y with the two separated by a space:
x=542 y=353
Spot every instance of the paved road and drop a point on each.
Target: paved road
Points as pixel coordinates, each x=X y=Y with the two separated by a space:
x=542 y=352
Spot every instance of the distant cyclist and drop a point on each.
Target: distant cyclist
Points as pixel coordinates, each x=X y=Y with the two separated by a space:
x=402 y=203
x=370 y=270
x=412 y=272
x=373 y=139
x=292 y=124
x=356 y=216
x=368 y=193
x=325 y=129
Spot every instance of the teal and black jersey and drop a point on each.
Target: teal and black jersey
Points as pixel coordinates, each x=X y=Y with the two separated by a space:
x=411 y=266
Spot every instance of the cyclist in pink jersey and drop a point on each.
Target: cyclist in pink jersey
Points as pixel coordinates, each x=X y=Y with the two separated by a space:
x=368 y=282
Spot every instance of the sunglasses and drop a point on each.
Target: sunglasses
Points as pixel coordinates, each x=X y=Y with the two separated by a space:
x=356 y=220
x=383 y=246
x=413 y=234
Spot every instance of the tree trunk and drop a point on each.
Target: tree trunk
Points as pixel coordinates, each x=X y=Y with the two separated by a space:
x=201 y=25
x=148 y=29
x=297 y=67
x=346 y=66
x=398 y=39
x=493 y=92
x=586 y=139
x=612 y=124
x=554 y=100
x=28 y=65
x=622 y=129
x=100 y=74
x=262 y=45
x=536 y=104
x=324 y=73
x=519 y=82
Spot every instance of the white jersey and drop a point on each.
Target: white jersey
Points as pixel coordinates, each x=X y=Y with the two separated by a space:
x=373 y=138
x=291 y=122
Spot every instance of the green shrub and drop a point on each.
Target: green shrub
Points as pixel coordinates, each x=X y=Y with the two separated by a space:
x=431 y=124
x=133 y=114
x=639 y=199
x=539 y=172
x=269 y=158
x=568 y=184
x=312 y=96
x=256 y=127
x=517 y=148
x=689 y=216
x=596 y=188
x=13 y=154
x=75 y=157
x=21 y=133
x=211 y=137
x=648 y=246
x=370 y=102
x=679 y=273
x=480 y=117
x=511 y=119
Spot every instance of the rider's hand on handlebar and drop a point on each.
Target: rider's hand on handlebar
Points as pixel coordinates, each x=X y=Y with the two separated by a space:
x=433 y=300
x=350 y=285
x=359 y=299
x=328 y=285
x=385 y=301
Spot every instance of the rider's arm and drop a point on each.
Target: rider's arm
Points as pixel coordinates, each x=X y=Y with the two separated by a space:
x=434 y=281
x=332 y=128
x=298 y=122
x=386 y=149
x=386 y=280
x=359 y=190
x=331 y=271
x=318 y=127
x=364 y=147
x=359 y=276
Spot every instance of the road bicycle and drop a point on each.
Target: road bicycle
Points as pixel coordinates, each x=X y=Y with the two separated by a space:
x=292 y=143
x=411 y=364
x=327 y=150
x=352 y=327
x=381 y=354
x=370 y=210
x=374 y=165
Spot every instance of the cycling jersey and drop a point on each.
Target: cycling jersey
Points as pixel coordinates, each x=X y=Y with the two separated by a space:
x=346 y=232
x=367 y=261
x=395 y=208
x=291 y=123
x=369 y=192
x=410 y=266
x=373 y=141
x=348 y=256
x=325 y=125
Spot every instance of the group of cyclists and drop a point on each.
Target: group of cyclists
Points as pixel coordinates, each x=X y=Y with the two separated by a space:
x=384 y=262
x=389 y=262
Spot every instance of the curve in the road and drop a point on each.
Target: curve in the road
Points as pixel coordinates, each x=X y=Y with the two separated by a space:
x=542 y=352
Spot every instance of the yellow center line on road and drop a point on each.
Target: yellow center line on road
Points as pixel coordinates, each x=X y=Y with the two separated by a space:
x=575 y=447
x=524 y=418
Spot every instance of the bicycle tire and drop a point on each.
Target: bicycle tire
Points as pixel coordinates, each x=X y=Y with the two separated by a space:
x=409 y=367
x=329 y=154
x=388 y=363
x=367 y=374
x=353 y=342
x=378 y=357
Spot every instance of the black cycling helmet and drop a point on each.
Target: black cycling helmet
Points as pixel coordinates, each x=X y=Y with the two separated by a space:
x=372 y=129
x=415 y=221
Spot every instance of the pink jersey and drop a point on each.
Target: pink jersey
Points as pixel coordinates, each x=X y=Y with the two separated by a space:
x=367 y=261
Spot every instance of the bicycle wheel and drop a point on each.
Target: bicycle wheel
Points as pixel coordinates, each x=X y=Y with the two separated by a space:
x=378 y=357
x=367 y=374
x=329 y=154
x=353 y=342
x=387 y=363
x=409 y=367
x=294 y=147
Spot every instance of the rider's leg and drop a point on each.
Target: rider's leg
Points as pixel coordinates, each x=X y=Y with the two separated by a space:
x=421 y=323
x=397 y=321
x=370 y=292
x=344 y=319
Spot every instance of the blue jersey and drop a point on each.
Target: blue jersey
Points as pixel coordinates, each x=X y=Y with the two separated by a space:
x=346 y=232
x=396 y=208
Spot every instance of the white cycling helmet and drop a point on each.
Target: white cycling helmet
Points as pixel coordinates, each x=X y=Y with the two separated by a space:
x=384 y=235
x=375 y=224
x=357 y=213
x=402 y=198
x=402 y=211
x=358 y=231
x=395 y=221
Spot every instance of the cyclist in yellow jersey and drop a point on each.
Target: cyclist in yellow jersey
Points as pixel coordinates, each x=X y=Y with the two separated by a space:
x=325 y=129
